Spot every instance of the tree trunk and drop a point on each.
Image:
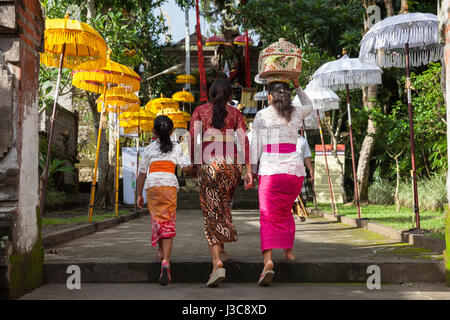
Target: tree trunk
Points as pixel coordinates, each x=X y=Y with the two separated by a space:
x=402 y=6
x=397 y=184
x=389 y=7
x=105 y=187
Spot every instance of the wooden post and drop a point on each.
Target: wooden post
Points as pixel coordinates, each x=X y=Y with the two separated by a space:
x=52 y=129
x=117 y=163
x=447 y=247
x=355 y=182
x=94 y=179
x=330 y=187
x=411 y=140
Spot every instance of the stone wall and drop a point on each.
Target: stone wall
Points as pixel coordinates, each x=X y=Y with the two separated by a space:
x=65 y=137
x=21 y=253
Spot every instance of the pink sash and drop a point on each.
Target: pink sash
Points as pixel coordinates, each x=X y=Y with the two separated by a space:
x=280 y=148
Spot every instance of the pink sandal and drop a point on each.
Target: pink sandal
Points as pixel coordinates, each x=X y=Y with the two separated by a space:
x=164 y=277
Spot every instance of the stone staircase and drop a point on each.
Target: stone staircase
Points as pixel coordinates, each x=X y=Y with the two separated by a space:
x=188 y=198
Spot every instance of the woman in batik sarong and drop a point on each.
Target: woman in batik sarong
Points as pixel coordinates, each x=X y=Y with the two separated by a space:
x=157 y=170
x=219 y=167
x=280 y=169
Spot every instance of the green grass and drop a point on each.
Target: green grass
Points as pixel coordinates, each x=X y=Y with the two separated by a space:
x=433 y=221
x=77 y=217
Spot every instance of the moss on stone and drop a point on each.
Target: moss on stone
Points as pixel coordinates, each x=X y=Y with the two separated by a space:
x=27 y=268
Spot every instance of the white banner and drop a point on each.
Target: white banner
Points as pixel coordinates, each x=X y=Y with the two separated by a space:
x=129 y=162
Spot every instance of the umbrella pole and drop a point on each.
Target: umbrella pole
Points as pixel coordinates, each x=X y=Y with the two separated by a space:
x=411 y=139
x=116 y=204
x=312 y=184
x=52 y=128
x=330 y=187
x=355 y=182
x=94 y=179
x=137 y=169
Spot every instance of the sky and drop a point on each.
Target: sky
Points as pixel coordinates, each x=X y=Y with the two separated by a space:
x=177 y=21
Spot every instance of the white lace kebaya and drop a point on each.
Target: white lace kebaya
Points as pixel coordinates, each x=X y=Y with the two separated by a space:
x=153 y=153
x=269 y=128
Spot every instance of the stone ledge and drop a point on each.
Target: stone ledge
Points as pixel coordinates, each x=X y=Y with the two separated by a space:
x=62 y=236
x=249 y=271
x=418 y=240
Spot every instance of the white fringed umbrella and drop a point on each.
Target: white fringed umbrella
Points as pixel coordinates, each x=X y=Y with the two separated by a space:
x=323 y=99
x=409 y=39
x=344 y=74
x=261 y=96
x=384 y=44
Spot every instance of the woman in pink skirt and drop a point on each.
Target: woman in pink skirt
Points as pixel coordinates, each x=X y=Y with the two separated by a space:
x=280 y=169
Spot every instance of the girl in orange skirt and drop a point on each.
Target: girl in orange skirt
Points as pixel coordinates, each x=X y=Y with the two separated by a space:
x=157 y=172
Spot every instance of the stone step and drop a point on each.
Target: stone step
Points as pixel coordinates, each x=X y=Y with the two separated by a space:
x=185 y=204
x=249 y=271
x=237 y=196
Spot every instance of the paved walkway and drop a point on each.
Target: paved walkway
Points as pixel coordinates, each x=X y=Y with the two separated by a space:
x=316 y=240
x=121 y=262
x=237 y=291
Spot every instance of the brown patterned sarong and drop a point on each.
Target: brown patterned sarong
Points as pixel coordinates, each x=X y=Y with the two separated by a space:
x=218 y=182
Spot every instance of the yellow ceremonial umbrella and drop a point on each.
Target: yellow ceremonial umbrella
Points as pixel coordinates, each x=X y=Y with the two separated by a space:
x=187 y=116
x=176 y=116
x=137 y=119
x=67 y=44
x=184 y=96
x=173 y=114
x=185 y=78
x=161 y=103
x=119 y=103
x=113 y=78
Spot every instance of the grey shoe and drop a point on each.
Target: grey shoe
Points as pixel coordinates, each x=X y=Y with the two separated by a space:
x=217 y=277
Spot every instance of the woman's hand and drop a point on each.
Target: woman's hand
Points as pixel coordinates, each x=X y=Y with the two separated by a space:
x=248 y=180
x=295 y=82
x=140 y=202
x=191 y=170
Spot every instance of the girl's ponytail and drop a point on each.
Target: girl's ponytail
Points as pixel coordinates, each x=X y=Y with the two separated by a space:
x=163 y=127
x=219 y=95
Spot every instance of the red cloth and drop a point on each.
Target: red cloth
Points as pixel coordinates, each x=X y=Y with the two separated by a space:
x=201 y=61
x=248 y=83
x=233 y=121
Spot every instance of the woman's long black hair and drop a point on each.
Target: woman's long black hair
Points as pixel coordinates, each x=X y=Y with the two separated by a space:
x=163 y=127
x=219 y=95
x=281 y=98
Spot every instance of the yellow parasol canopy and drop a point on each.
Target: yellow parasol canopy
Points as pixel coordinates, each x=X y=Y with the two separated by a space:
x=117 y=78
x=186 y=116
x=185 y=78
x=156 y=105
x=142 y=119
x=80 y=43
x=176 y=116
x=180 y=124
x=183 y=96
x=119 y=103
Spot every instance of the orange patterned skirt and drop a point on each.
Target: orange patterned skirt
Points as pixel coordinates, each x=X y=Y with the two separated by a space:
x=218 y=182
x=162 y=205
